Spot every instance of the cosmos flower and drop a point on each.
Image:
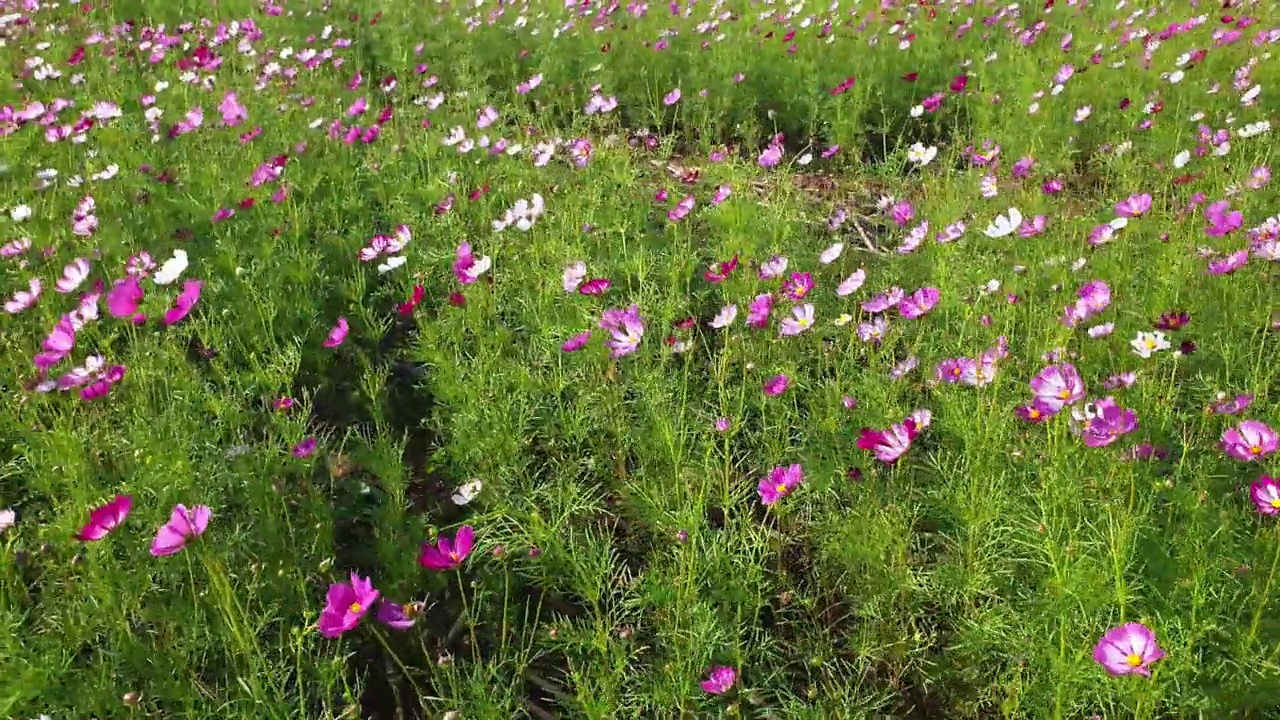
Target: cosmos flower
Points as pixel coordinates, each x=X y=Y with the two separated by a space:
x=1129 y=648
x=781 y=482
x=1250 y=441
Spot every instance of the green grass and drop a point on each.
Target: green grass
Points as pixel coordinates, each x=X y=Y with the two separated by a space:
x=622 y=549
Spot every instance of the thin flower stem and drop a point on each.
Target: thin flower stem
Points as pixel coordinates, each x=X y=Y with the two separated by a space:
x=377 y=632
x=466 y=610
x=1266 y=591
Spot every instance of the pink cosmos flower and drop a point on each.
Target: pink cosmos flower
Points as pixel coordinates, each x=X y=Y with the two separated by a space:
x=1230 y=263
x=338 y=334
x=124 y=297
x=801 y=320
x=1265 y=493
x=720 y=680
x=398 y=617
x=595 y=286
x=1250 y=440
x=105 y=518
x=184 y=525
x=1093 y=297
x=626 y=329
x=758 y=311
x=184 y=302
x=1134 y=205
x=725 y=317
x=24 y=299
x=771 y=156
x=797 y=286
x=1058 y=386
x=103 y=383
x=851 y=284
x=718 y=272
x=57 y=345
x=1130 y=648
x=773 y=267
x=72 y=276
x=672 y=97
x=576 y=343
x=345 y=605
x=682 y=208
x=305 y=448
x=448 y=554
x=902 y=213
x=884 y=301
x=919 y=303
x=1036 y=412
x=233 y=113
x=1103 y=422
x=780 y=483
x=891 y=444
x=1222 y=219
x=466 y=267
x=776 y=385
x=1232 y=406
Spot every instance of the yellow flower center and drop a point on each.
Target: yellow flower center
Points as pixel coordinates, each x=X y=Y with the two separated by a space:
x=956 y=371
x=1064 y=394
x=1151 y=344
x=1255 y=449
x=453 y=556
x=1134 y=660
x=782 y=488
x=1276 y=503
x=1034 y=414
x=356 y=608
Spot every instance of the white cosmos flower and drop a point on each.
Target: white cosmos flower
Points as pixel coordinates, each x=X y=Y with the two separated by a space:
x=1149 y=342
x=1004 y=224
x=921 y=155
x=468 y=492
x=172 y=268
x=392 y=263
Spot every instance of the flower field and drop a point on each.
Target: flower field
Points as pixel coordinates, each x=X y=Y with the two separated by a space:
x=711 y=358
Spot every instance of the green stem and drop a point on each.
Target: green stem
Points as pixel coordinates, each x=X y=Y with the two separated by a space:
x=466 y=611
x=377 y=632
x=1266 y=591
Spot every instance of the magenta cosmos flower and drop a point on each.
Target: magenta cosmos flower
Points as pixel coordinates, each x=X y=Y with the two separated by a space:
x=776 y=385
x=919 y=303
x=1130 y=648
x=1134 y=205
x=345 y=605
x=338 y=334
x=185 y=301
x=1058 y=386
x=184 y=525
x=104 y=519
x=719 y=680
x=398 y=617
x=780 y=483
x=1103 y=422
x=891 y=444
x=1250 y=440
x=448 y=554
x=626 y=329
x=1265 y=493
